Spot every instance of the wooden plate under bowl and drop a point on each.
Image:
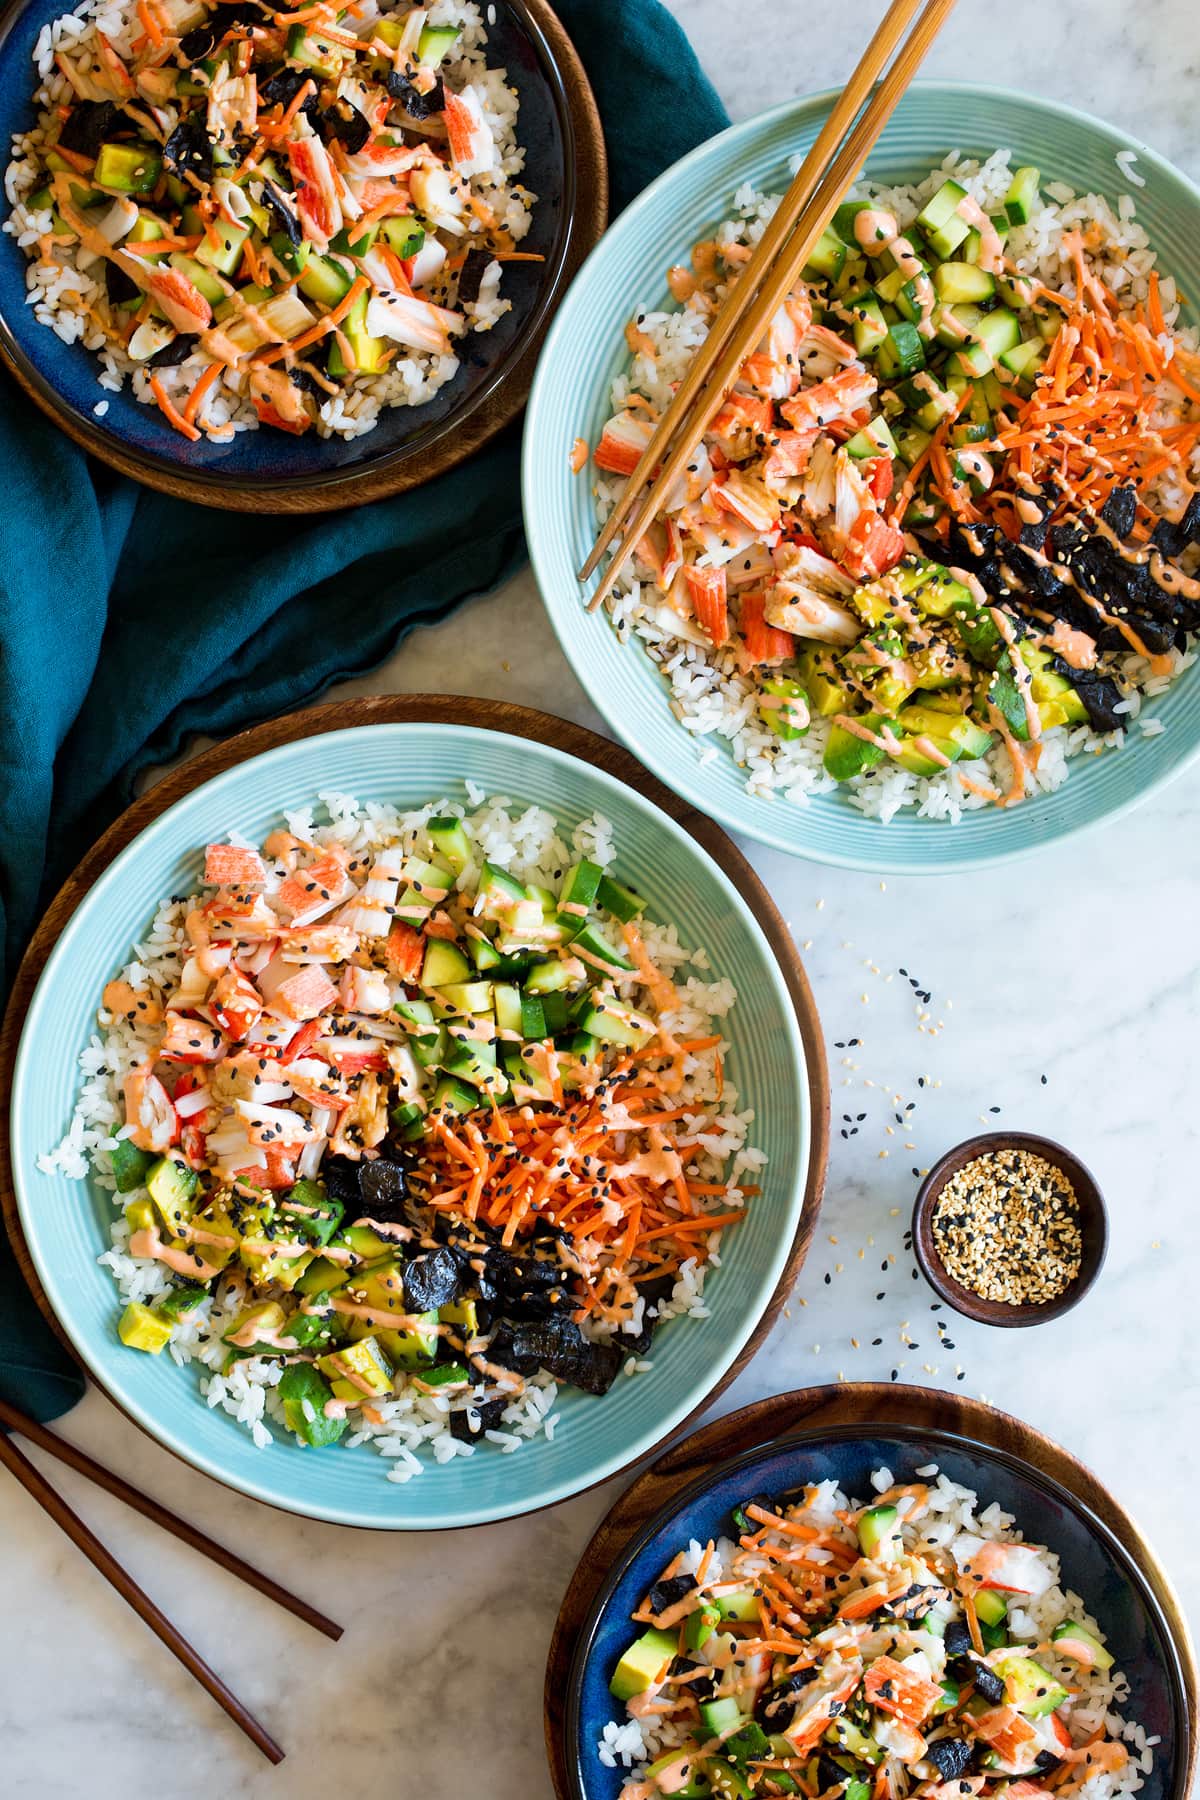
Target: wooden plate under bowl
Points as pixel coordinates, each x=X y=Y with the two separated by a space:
x=513 y=721
x=269 y=471
x=832 y=1416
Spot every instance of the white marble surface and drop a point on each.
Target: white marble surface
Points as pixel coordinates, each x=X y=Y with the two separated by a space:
x=1081 y=966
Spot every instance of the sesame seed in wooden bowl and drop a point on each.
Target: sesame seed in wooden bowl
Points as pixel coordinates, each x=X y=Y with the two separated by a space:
x=1010 y=1229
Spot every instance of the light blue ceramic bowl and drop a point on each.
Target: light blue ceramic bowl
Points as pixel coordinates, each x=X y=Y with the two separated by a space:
x=65 y=1221
x=586 y=348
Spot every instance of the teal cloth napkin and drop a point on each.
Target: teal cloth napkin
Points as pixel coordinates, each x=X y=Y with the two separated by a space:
x=129 y=621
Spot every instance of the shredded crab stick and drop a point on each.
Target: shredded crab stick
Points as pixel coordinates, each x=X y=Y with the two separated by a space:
x=824 y=1650
x=403 y=1113
x=941 y=509
x=301 y=189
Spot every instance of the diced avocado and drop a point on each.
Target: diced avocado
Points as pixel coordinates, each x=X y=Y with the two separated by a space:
x=312 y=51
x=444 y=964
x=321 y=1277
x=847 y=754
x=285 y=1261
x=462 y=1314
x=940 y=220
x=412 y=1348
x=921 y=721
x=357 y=1372
x=717 y=1716
x=617 y=1024
x=1027 y=1686
x=450 y=842
x=127 y=168
x=991 y=1608
x=784 y=707
x=324 y=280
x=315 y=1214
x=741 y=1603
x=204 y=280
x=877 y=1532
x=172 y=1187
x=548 y=978
x=226 y=253
x=445 y=1375
x=749 y=1744
x=963 y=281
x=683 y=1774
x=130 y=1165
x=1076 y=1641
x=436 y=42
x=828 y=256
x=305 y=1394
x=404 y=235
x=257 y=1324
x=726 y=1782
x=644 y=1664
x=918 y=761
x=368 y=351
x=818 y=672
x=142 y=1329
x=1023 y=198
x=181 y=1300
x=699 y=1626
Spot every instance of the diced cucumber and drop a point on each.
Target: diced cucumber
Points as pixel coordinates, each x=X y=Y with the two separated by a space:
x=971 y=248
x=204 y=280
x=130 y=1165
x=991 y=1608
x=828 y=257
x=452 y=1095
x=888 y=286
x=404 y=235
x=591 y=944
x=870 y=326
x=324 y=280
x=617 y=1024
x=1024 y=361
x=368 y=352
x=294 y=257
x=902 y=351
x=225 y=255
x=1083 y=1646
x=845 y=216
x=444 y=964
x=1023 y=197
x=912 y=444
x=435 y=43
x=465 y=997
x=959 y=281
x=719 y=1716
x=941 y=222
x=581 y=886
x=875 y=439
x=548 y=978
x=613 y=897
x=877 y=1532
x=312 y=51
x=533 y=1018
x=449 y=839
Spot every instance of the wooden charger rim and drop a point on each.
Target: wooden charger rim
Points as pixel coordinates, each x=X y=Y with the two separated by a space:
x=483 y=715
x=807 y=1412
x=398 y=474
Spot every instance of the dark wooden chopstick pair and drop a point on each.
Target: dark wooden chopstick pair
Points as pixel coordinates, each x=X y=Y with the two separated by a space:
x=35 y=1483
x=772 y=272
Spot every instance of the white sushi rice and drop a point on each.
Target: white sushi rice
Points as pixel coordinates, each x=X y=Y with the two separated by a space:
x=60 y=293
x=410 y=1428
x=953 y=1517
x=716 y=700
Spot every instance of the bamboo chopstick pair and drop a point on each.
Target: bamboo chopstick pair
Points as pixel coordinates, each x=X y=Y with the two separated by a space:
x=35 y=1483
x=770 y=275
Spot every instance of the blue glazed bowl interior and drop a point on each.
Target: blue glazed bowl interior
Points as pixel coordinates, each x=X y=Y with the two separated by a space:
x=266 y=458
x=65 y=1222
x=586 y=348
x=1094 y=1565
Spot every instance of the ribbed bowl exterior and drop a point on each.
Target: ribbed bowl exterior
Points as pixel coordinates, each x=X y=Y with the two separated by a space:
x=65 y=1222
x=586 y=348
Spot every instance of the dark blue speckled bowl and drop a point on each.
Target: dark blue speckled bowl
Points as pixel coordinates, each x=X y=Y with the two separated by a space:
x=265 y=471
x=1094 y=1564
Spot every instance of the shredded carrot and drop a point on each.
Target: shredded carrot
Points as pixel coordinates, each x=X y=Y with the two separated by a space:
x=170 y=412
x=196 y=397
x=972 y=1618
x=151 y=25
